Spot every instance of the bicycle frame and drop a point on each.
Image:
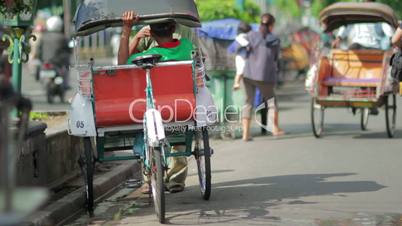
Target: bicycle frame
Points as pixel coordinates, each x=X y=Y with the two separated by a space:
x=156 y=124
x=166 y=151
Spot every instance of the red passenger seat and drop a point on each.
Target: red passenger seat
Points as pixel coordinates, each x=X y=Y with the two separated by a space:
x=120 y=94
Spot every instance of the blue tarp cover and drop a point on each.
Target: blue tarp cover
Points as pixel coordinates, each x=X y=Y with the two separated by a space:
x=225 y=29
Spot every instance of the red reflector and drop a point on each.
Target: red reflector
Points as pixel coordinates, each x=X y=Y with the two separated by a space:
x=48 y=66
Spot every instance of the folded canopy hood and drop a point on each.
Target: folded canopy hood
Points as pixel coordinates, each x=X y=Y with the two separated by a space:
x=95 y=15
x=343 y=13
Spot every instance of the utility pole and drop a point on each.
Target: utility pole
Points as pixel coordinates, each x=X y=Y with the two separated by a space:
x=67 y=17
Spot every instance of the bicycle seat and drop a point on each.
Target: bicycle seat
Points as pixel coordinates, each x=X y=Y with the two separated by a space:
x=147 y=61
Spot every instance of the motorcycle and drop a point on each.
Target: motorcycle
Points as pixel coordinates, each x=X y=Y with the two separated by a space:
x=52 y=77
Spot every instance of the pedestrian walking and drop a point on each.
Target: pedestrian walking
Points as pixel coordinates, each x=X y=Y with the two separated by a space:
x=261 y=71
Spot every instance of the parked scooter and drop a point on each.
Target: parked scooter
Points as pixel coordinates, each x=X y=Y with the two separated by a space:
x=52 y=77
x=54 y=54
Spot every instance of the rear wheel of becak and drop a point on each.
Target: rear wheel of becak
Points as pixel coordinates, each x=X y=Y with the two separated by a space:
x=49 y=93
x=62 y=96
x=364 y=117
x=202 y=153
x=390 y=115
x=157 y=183
x=87 y=164
x=317 y=118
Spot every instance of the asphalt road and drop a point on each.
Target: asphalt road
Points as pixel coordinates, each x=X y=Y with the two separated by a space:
x=347 y=178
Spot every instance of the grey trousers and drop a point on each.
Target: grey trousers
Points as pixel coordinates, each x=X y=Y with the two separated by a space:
x=267 y=92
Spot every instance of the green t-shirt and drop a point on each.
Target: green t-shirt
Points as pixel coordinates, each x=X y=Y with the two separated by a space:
x=181 y=32
x=181 y=52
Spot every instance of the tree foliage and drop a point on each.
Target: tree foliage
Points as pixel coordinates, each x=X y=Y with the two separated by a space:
x=395 y=4
x=11 y=8
x=291 y=8
x=220 y=9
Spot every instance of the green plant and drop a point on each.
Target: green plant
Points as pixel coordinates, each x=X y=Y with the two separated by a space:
x=220 y=9
x=10 y=8
x=38 y=116
x=291 y=8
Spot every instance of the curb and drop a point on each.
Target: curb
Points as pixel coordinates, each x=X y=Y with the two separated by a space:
x=71 y=204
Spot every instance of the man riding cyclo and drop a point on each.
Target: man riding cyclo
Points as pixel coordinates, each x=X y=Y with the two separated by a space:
x=158 y=38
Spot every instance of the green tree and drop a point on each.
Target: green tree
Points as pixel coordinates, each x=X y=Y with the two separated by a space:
x=292 y=7
x=396 y=5
x=220 y=9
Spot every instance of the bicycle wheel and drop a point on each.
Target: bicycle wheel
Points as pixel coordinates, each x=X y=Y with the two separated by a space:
x=390 y=115
x=364 y=117
x=202 y=152
x=317 y=118
x=157 y=184
x=87 y=165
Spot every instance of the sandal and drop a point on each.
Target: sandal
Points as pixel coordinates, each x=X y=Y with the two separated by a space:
x=176 y=188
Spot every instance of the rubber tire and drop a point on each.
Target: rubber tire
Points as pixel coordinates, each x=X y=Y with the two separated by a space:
x=316 y=131
x=364 y=117
x=391 y=125
x=203 y=158
x=157 y=184
x=62 y=95
x=49 y=96
x=89 y=165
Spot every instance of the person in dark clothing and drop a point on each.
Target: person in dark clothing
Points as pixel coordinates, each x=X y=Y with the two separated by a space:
x=261 y=72
x=53 y=48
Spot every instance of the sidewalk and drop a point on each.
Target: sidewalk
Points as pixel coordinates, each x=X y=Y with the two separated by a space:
x=69 y=200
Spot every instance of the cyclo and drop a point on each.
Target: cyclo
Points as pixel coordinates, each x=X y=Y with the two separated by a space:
x=165 y=103
x=355 y=78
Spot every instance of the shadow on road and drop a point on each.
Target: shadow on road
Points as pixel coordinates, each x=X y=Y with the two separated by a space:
x=296 y=131
x=213 y=172
x=378 y=135
x=304 y=130
x=253 y=197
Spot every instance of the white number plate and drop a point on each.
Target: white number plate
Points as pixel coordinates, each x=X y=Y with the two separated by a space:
x=48 y=74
